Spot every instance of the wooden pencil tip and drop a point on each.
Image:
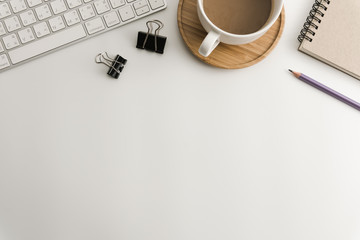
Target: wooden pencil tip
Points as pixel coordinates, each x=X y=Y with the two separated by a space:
x=296 y=74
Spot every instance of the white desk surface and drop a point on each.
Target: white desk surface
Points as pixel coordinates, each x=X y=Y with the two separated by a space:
x=176 y=149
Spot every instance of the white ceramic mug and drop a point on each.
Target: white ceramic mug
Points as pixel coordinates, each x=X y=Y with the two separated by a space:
x=217 y=35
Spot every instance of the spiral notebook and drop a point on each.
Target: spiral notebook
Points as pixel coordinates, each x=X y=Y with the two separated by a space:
x=331 y=34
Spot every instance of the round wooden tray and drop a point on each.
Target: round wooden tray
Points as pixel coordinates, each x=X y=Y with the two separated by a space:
x=226 y=56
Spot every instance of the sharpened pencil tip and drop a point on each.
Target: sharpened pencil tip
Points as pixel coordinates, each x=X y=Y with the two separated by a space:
x=296 y=74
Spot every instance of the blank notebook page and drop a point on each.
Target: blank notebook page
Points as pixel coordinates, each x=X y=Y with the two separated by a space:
x=337 y=39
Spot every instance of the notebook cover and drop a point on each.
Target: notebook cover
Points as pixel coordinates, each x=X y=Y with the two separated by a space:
x=337 y=39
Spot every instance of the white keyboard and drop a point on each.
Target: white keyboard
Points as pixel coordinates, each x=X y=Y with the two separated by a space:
x=31 y=28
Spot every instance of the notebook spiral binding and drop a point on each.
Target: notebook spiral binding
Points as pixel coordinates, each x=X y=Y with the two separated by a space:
x=313 y=20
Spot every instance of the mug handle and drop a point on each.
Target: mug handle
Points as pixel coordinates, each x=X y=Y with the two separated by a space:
x=209 y=44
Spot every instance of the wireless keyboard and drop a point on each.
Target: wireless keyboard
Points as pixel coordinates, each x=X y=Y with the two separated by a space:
x=32 y=28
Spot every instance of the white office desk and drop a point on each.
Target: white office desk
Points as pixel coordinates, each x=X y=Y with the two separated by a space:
x=176 y=149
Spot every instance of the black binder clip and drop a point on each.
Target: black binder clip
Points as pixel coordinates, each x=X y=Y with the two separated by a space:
x=149 y=41
x=116 y=65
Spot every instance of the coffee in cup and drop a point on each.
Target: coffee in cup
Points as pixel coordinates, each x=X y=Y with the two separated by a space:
x=238 y=16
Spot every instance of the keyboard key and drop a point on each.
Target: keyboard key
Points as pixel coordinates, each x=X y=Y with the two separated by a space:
x=143 y=10
x=41 y=29
x=11 y=41
x=56 y=23
x=58 y=6
x=111 y=19
x=12 y=23
x=4 y=10
x=74 y=3
x=26 y=35
x=33 y=3
x=1 y=48
x=101 y=6
x=18 y=5
x=140 y=4
x=94 y=26
x=87 y=12
x=43 y=12
x=27 y=18
x=156 y=4
x=4 y=61
x=46 y=44
x=117 y=3
x=72 y=17
x=126 y=13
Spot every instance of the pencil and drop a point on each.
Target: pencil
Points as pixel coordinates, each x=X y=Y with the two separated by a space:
x=326 y=89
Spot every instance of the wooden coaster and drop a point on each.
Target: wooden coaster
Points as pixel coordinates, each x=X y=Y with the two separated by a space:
x=226 y=56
